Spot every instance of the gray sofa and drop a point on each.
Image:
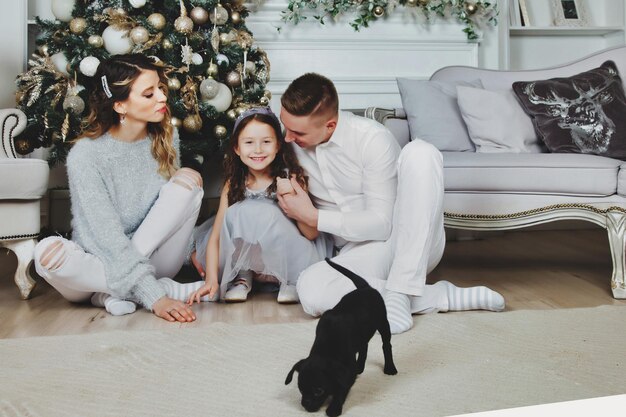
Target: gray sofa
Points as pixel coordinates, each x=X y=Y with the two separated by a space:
x=501 y=191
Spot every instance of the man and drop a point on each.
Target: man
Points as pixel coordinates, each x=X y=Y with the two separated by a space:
x=383 y=206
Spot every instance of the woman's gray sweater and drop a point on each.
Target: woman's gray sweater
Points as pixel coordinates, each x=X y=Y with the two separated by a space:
x=113 y=185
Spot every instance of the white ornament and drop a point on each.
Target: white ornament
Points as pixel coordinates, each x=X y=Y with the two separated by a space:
x=89 y=65
x=116 y=41
x=222 y=59
x=222 y=100
x=137 y=3
x=59 y=60
x=196 y=59
x=62 y=9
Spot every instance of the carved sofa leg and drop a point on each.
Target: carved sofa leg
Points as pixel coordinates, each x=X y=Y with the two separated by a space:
x=616 y=228
x=24 y=250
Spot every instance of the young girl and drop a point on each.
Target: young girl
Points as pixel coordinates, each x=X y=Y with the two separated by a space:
x=251 y=238
x=133 y=207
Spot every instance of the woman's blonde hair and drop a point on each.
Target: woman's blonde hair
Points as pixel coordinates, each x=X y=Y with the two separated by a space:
x=113 y=82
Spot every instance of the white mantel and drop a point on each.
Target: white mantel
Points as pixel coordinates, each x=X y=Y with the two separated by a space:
x=364 y=64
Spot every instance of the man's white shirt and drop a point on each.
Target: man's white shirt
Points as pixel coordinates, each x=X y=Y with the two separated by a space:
x=353 y=179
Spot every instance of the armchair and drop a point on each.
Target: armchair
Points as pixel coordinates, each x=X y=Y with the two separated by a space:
x=23 y=182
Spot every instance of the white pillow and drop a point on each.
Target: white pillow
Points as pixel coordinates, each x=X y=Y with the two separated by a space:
x=496 y=122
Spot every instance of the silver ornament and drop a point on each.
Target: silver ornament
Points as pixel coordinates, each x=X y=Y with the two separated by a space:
x=78 y=25
x=411 y=3
x=137 y=3
x=209 y=88
x=225 y=38
x=184 y=25
x=220 y=131
x=95 y=41
x=196 y=59
x=139 y=35
x=199 y=15
x=233 y=79
x=157 y=21
x=74 y=104
x=219 y=15
x=173 y=83
x=89 y=65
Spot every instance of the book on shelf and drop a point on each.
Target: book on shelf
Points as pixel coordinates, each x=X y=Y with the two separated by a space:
x=515 y=17
x=523 y=8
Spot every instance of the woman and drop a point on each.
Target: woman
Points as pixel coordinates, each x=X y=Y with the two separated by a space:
x=133 y=208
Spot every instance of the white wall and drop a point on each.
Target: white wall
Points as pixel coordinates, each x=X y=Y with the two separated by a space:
x=12 y=47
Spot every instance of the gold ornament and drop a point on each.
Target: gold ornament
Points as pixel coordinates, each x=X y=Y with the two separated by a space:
x=423 y=2
x=173 y=83
x=250 y=67
x=176 y=122
x=225 y=38
x=267 y=93
x=412 y=3
x=231 y=114
x=192 y=123
x=139 y=35
x=95 y=41
x=379 y=11
x=44 y=50
x=157 y=21
x=219 y=15
x=23 y=146
x=199 y=15
x=233 y=79
x=239 y=111
x=183 y=24
x=235 y=17
x=78 y=25
x=167 y=44
x=264 y=101
x=471 y=8
x=220 y=131
x=212 y=70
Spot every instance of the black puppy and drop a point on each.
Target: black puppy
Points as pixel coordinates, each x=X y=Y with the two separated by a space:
x=342 y=332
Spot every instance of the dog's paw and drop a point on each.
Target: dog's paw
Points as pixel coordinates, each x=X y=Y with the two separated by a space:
x=333 y=411
x=390 y=369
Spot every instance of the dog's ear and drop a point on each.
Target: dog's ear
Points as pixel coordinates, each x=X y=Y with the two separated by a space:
x=296 y=367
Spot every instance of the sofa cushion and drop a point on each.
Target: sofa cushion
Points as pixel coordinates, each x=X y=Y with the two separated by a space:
x=496 y=122
x=583 y=113
x=23 y=178
x=433 y=113
x=546 y=173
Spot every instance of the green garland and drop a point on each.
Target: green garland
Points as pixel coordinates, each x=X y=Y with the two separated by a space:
x=471 y=13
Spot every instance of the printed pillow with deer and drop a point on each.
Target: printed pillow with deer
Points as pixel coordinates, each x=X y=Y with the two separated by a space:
x=585 y=113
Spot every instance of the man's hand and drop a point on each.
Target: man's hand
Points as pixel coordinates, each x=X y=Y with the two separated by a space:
x=298 y=205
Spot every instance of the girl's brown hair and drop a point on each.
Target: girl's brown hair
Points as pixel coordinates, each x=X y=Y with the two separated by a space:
x=236 y=172
x=113 y=82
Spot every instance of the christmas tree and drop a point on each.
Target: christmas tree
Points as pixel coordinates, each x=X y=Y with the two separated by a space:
x=216 y=70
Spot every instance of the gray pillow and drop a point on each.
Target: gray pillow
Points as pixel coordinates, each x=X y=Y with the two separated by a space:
x=496 y=122
x=433 y=113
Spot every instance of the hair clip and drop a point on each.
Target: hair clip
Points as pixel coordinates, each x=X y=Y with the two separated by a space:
x=105 y=86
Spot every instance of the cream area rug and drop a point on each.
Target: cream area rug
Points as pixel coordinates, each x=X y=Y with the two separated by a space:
x=448 y=364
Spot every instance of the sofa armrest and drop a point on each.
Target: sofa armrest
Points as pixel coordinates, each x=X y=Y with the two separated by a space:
x=394 y=120
x=12 y=122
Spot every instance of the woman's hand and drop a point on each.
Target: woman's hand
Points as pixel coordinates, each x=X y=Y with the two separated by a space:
x=173 y=310
x=209 y=287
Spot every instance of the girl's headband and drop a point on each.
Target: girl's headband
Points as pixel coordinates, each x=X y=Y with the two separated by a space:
x=255 y=110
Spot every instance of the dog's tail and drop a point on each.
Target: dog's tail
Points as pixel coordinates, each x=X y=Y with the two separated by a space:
x=358 y=281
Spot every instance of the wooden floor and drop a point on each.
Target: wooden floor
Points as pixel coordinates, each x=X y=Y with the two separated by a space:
x=531 y=269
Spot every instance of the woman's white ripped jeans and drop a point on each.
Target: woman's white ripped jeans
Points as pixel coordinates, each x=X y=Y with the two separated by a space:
x=163 y=237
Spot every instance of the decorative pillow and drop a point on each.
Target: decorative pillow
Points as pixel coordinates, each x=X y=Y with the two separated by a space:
x=496 y=122
x=585 y=113
x=433 y=113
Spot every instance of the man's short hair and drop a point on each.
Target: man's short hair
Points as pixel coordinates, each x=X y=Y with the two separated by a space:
x=311 y=95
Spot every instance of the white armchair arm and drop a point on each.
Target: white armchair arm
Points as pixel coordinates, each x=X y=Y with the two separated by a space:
x=12 y=122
